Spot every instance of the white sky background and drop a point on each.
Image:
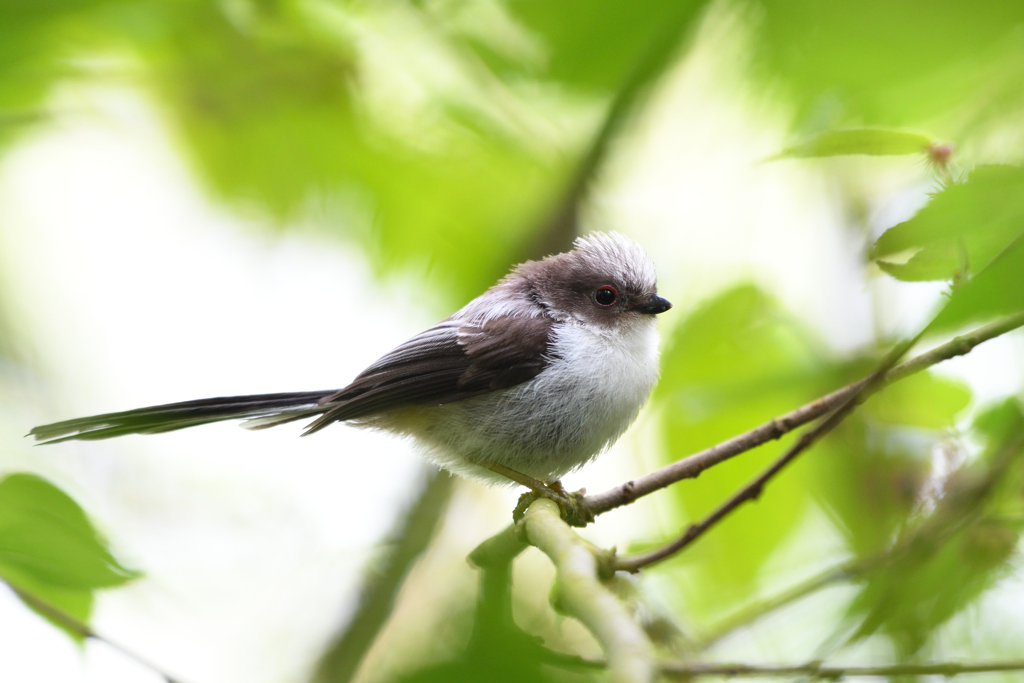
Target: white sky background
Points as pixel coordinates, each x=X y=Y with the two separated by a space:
x=134 y=289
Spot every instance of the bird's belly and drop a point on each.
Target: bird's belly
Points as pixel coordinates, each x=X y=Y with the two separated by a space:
x=556 y=422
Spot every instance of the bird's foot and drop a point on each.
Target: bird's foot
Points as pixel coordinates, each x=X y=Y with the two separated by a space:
x=574 y=509
x=572 y=504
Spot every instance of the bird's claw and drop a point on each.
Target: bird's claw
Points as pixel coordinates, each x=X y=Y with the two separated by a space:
x=571 y=504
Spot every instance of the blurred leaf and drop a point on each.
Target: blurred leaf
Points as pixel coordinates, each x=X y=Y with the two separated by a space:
x=927 y=586
x=921 y=400
x=739 y=361
x=997 y=422
x=34 y=53
x=50 y=549
x=868 y=482
x=735 y=363
x=873 y=141
x=962 y=229
x=497 y=651
x=892 y=62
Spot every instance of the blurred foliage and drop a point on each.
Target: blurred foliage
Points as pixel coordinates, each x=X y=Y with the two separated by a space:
x=740 y=360
x=943 y=560
x=971 y=233
x=961 y=230
x=586 y=44
x=951 y=66
x=390 y=110
x=734 y=363
x=50 y=550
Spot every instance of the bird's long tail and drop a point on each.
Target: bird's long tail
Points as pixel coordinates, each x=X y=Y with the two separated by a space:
x=262 y=410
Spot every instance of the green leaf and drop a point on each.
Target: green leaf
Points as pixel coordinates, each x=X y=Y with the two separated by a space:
x=280 y=115
x=49 y=548
x=934 y=580
x=921 y=400
x=960 y=231
x=871 y=141
x=996 y=291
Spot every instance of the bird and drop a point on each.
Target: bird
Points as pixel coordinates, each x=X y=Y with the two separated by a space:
x=527 y=382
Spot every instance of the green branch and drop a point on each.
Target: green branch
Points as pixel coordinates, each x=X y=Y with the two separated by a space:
x=582 y=595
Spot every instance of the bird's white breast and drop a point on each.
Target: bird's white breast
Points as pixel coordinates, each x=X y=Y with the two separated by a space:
x=593 y=388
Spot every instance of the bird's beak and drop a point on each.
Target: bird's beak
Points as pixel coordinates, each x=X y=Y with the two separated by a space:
x=654 y=305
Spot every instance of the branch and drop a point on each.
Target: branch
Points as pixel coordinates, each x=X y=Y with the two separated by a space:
x=580 y=592
x=753 y=490
x=412 y=535
x=494 y=559
x=818 y=670
x=690 y=467
x=80 y=628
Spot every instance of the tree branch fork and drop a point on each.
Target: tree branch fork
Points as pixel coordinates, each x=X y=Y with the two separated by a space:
x=583 y=571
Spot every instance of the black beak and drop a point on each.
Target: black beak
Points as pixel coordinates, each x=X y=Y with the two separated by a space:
x=654 y=305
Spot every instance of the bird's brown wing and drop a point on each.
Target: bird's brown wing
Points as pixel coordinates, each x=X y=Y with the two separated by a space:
x=449 y=362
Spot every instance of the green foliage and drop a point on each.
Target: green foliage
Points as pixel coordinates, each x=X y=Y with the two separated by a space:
x=592 y=45
x=736 y=362
x=892 y=62
x=972 y=233
x=923 y=400
x=995 y=291
x=739 y=361
x=276 y=114
x=942 y=561
x=960 y=231
x=50 y=550
x=287 y=106
x=870 y=141
x=870 y=472
x=34 y=48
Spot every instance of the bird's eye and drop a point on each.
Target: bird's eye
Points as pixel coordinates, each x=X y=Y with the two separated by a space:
x=606 y=296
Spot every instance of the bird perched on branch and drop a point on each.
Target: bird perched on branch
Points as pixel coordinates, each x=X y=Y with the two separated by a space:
x=530 y=380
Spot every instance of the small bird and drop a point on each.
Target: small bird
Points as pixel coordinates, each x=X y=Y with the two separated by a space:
x=527 y=382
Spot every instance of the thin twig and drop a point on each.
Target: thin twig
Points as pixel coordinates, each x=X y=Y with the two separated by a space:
x=413 y=534
x=753 y=490
x=581 y=594
x=82 y=629
x=818 y=670
x=752 y=613
x=691 y=466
